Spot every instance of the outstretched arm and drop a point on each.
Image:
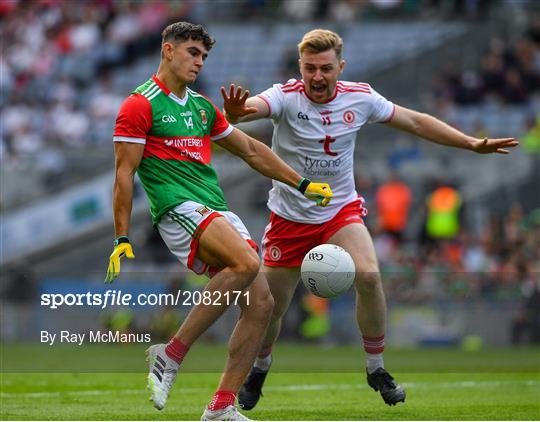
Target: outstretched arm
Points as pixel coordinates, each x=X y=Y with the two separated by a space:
x=434 y=130
x=240 y=107
x=261 y=158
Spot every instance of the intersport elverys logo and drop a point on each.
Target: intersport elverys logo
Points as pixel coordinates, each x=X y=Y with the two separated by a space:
x=192 y=142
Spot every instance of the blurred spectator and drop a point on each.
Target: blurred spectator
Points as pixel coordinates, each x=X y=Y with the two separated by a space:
x=514 y=90
x=493 y=267
x=526 y=326
x=394 y=200
x=531 y=141
x=316 y=323
x=451 y=76
x=513 y=226
x=123 y=28
x=85 y=34
x=103 y=107
x=524 y=60
x=492 y=74
x=52 y=163
x=533 y=31
x=70 y=124
x=475 y=258
x=468 y=90
x=53 y=51
x=508 y=73
x=26 y=141
x=56 y=54
x=299 y=10
x=443 y=213
x=289 y=68
x=343 y=11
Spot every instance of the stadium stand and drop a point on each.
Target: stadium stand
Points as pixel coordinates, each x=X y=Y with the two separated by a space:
x=65 y=70
x=65 y=79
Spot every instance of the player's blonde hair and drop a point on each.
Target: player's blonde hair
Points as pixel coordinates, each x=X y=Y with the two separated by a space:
x=321 y=40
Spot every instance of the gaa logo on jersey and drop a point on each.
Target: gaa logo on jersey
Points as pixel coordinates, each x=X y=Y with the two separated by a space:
x=204 y=119
x=168 y=119
x=348 y=117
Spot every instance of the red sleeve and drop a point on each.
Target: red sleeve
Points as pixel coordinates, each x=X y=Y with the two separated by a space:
x=220 y=123
x=134 y=118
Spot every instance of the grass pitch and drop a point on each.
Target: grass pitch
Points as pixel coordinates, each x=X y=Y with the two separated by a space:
x=306 y=383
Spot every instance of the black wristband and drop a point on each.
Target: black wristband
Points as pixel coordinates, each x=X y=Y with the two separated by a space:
x=121 y=239
x=302 y=186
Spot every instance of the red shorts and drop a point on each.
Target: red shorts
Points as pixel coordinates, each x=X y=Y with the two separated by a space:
x=285 y=242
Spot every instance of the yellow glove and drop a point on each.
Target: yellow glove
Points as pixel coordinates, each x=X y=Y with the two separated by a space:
x=318 y=192
x=122 y=248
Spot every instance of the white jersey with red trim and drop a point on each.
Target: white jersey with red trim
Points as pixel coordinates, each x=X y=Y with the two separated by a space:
x=318 y=140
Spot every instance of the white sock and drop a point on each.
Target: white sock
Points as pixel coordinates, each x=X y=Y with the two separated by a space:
x=374 y=361
x=263 y=363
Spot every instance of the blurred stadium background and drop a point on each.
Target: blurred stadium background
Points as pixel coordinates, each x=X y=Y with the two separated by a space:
x=67 y=66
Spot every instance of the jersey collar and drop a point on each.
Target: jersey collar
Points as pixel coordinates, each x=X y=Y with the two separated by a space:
x=169 y=93
x=161 y=85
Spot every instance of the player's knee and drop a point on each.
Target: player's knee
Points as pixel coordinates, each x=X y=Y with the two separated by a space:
x=246 y=267
x=368 y=280
x=261 y=306
x=247 y=263
x=253 y=263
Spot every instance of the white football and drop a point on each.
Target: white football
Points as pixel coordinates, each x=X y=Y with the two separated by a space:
x=328 y=271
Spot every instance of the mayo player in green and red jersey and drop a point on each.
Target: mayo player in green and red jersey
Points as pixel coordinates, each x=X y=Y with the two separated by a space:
x=164 y=132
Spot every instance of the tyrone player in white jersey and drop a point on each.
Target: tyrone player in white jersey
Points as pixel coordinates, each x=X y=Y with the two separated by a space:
x=316 y=121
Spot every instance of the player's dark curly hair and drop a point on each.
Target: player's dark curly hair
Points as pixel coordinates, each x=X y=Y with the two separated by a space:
x=183 y=31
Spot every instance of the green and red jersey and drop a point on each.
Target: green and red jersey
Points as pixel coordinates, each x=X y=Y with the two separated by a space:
x=177 y=135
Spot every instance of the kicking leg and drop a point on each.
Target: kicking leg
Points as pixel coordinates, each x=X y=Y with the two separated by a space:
x=221 y=246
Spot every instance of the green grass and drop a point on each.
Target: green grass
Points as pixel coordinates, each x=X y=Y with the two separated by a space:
x=499 y=384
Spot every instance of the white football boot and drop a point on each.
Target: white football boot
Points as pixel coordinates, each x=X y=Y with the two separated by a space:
x=230 y=413
x=162 y=374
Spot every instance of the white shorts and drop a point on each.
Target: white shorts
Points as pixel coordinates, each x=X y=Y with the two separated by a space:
x=181 y=229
